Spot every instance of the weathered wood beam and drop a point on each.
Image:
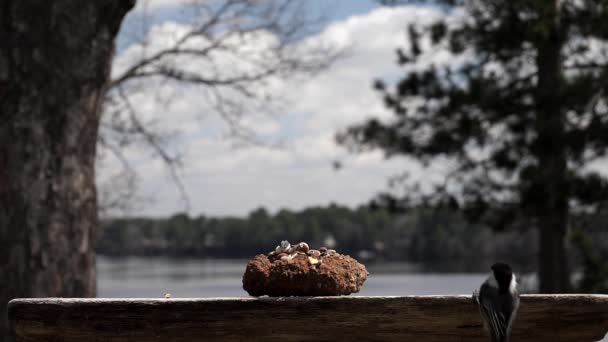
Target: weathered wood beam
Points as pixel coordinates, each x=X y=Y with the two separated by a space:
x=417 y=318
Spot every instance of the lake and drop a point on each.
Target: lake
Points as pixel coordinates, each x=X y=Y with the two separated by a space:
x=151 y=277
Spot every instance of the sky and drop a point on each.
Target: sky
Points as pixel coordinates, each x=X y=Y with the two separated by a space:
x=223 y=178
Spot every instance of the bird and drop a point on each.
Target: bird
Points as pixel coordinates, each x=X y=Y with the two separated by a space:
x=498 y=301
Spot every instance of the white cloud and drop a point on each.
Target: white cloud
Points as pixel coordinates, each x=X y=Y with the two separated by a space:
x=221 y=180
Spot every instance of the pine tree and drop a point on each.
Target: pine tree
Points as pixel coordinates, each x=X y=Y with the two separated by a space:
x=522 y=117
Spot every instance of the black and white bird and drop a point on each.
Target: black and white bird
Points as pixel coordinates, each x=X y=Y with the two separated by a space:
x=498 y=301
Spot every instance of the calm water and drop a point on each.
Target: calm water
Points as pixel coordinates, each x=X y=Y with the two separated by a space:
x=153 y=277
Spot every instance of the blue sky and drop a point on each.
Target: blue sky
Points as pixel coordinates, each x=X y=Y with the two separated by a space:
x=342 y=9
x=223 y=180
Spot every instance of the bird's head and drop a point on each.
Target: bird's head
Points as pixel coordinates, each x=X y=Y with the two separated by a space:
x=503 y=275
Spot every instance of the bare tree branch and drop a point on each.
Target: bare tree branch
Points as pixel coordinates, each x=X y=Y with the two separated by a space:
x=230 y=51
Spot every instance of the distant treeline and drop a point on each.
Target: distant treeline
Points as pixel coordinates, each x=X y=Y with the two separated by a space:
x=439 y=240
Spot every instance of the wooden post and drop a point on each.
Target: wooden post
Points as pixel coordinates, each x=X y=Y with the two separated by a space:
x=576 y=318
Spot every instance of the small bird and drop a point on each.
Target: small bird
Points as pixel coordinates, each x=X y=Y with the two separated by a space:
x=498 y=301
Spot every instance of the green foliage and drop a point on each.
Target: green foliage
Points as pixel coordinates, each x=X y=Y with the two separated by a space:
x=438 y=239
x=595 y=269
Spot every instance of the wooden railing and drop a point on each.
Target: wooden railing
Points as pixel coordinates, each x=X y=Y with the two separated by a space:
x=554 y=318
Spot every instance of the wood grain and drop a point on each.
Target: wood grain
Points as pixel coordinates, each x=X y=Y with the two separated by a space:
x=415 y=318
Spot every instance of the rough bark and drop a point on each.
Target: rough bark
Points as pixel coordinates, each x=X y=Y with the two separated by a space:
x=550 y=186
x=563 y=318
x=55 y=60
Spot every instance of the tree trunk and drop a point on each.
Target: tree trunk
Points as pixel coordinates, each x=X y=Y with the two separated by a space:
x=55 y=59
x=551 y=197
x=554 y=274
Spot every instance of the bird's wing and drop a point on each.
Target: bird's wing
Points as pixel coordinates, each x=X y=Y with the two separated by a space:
x=492 y=313
x=514 y=308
